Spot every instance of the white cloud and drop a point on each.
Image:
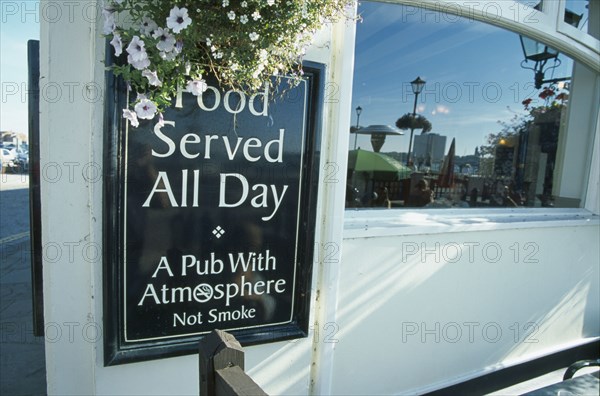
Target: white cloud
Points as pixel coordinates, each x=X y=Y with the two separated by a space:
x=440 y=109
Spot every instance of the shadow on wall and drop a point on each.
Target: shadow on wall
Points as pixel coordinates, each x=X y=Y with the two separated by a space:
x=459 y=308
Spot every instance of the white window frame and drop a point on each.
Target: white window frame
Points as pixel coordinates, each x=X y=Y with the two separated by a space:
x=580 y=47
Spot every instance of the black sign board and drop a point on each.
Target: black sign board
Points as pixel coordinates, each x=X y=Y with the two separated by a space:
x=209 y=219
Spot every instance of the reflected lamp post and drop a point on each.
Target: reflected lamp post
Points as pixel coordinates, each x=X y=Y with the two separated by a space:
x=540 y=53
x=417 y=87
x=358 y=111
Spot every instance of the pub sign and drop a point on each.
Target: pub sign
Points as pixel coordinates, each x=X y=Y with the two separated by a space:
x=209 y=219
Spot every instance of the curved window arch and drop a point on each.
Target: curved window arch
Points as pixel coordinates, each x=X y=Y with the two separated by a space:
x=547 y=24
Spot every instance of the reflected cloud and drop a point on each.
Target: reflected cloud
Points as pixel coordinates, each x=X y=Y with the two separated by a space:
x=440 y=109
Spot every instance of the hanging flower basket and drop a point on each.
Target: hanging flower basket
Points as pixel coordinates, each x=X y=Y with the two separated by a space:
x=163 y=46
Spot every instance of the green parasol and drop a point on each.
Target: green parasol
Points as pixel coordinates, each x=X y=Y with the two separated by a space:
x=369 y=161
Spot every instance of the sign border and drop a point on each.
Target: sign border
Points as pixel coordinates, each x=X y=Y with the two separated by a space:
x=117 y=350
x=296 y=239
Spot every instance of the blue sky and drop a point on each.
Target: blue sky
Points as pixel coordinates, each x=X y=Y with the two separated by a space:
x=19 y=23
x=473 y=73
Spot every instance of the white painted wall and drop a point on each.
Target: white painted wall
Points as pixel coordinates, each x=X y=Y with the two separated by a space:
x=425 y=310
x=367 y=293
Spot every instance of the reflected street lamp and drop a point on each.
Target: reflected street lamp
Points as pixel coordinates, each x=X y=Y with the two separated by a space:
x=358 y=111
x=540 y=53
x=417 y=86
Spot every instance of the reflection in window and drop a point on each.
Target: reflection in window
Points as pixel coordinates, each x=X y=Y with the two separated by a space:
x=577 y=13
x=483 y=134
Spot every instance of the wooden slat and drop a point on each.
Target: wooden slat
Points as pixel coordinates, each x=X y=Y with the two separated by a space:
x=222 y=367
x=234 y=381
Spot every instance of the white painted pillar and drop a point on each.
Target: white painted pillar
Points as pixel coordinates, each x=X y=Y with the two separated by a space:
x=71 y=103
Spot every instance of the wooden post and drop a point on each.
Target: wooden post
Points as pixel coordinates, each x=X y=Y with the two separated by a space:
x=222 y=367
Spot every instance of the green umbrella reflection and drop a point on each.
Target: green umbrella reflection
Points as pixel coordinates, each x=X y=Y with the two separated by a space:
x=369 y=161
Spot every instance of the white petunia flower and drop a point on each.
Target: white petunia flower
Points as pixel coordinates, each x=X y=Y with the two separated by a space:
x=244 y=19
x=136 y=49
x=137 y=57
x=270 y=2
x=166 y=41
x=253 y=36
x=196 y=87
x=168 y=56
x=109 y=21
x=263 y=54
x=132 y=117
x=117 y=43
x=225 y=3
x=147 y=26
x=152 y=77
x=256 y=15
x=139 y=64
x=145 y=109
x=231 y=15
x=178 y=19
x=244 y=4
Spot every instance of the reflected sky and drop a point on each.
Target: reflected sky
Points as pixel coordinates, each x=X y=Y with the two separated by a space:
x=473 y=73
x=579 y=7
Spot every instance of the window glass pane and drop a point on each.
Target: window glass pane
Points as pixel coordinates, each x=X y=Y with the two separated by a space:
x=576 y=14
x=494 y=140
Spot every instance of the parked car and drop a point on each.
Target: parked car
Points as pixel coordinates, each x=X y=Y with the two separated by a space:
x=9 y=160
x=23 y=160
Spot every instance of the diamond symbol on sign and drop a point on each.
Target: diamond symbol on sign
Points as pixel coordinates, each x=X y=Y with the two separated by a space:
x=218 y=232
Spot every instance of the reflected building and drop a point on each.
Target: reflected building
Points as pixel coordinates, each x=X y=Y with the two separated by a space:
x=429 y=149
